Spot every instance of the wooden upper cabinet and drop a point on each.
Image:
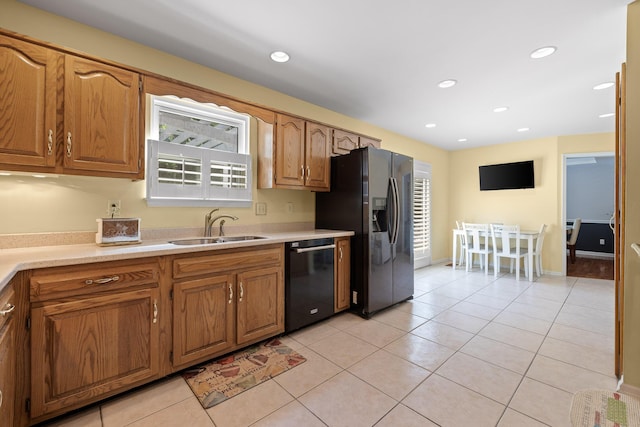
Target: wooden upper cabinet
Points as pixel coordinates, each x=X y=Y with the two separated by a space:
x=101 y=117
x=369 y=142
x=343 y=142
x=290 y=156
x=318 y=156
x=28 y=78
x=302 y=154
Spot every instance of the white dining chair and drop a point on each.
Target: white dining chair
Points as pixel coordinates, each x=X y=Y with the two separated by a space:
x=462 y=242
x=537 y=252
x=474 y=233
x=505 y=234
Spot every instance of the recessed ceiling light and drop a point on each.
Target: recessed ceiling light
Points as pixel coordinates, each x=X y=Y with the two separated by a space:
x=462 y=140
x=602 y=116
x=523 y=130
x=447 y=83
x=5 y=173
x=38 y=176
x=279 y=56
x=500 y=109
x=543 y=52
x=605 y=85
x=430 y=125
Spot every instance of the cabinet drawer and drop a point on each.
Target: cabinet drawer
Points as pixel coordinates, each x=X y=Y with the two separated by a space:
x=7 y=301
x=226 y=261
x=74 y=281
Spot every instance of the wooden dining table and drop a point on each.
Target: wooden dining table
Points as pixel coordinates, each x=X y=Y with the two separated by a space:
x=528 y=235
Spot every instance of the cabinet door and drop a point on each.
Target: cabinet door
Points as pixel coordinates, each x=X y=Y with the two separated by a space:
x=343 y=142
x=290 y=151
x=86 y=349
x=369 y=142
x=101 y=112
x=260 y=304
x=7 y=358
x=27 y=104
x=343 y=274
x=318 y=156
x=203 y=318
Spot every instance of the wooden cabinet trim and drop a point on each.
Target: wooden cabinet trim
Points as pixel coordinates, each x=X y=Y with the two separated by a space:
x=60 y=282
x=218 y=261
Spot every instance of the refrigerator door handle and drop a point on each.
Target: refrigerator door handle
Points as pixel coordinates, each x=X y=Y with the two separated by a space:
x=396 y=210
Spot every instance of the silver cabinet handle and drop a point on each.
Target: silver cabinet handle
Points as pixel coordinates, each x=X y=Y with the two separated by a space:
x=302 y=171
x=241 y=291
x=102 y=281
x=155 y=311
x=0 y=398
x=230 y=293
x=314 y=248
x=9 y=309
x=50 y=143
x=69 y=144
x=340 y=252
x=308 y=173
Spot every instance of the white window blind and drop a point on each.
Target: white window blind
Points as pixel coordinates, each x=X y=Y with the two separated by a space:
x=422 y=214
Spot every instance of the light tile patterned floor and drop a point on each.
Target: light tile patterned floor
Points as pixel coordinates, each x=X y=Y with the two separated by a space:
x=467 y=350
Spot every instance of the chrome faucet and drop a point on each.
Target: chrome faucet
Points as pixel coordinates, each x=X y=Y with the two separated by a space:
x=210 y=221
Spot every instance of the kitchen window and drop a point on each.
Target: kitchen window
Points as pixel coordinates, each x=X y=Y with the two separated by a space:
x=197 y=154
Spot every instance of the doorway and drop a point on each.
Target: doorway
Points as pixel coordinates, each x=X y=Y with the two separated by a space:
x=589 y=183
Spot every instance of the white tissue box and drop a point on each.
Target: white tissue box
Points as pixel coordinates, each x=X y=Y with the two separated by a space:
x=118 y=231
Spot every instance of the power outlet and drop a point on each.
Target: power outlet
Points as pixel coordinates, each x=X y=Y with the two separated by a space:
x=113 y=208
x=602 y=241
x=289 y=208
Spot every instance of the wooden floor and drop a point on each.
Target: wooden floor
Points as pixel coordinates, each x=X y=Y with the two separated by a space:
x=591 y=267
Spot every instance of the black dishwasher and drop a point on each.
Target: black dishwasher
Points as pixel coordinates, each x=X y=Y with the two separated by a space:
x=308 y=282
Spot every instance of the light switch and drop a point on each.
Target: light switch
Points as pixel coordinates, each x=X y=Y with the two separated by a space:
x=261 y=208
x=602 y=241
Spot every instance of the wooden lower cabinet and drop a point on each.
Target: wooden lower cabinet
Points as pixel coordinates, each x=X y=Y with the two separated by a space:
x=92 y=347
x=226 y=300
x=95 y=331
x=7 y=356
x=100 y=329
x=260 y=312
x=203 y=318
x=342 y=264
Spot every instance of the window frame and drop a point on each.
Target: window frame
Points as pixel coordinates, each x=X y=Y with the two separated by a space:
x=203 y=194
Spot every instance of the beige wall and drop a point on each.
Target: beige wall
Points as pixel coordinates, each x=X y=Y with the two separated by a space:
x=528 y=207
x=631 y=350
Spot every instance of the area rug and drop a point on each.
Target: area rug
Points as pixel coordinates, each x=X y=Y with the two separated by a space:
x=601 y=408
x=229 y=376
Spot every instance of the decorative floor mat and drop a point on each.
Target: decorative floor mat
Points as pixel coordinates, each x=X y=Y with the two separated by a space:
x=221 y=379
x=601 y=408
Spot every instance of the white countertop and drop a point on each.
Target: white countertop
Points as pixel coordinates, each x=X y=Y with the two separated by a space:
x=14 y=260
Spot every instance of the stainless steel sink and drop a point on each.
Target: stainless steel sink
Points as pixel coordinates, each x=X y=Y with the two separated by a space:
x=213 y=240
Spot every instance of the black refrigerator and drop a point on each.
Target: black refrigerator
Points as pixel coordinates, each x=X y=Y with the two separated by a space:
x=372 y=195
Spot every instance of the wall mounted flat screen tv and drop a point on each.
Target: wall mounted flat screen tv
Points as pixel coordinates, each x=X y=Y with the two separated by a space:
x=507 y=176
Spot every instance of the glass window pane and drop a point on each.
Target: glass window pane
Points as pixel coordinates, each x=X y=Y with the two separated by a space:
x=197 y=132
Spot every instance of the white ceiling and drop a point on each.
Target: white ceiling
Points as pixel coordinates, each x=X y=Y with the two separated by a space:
x=380 y=61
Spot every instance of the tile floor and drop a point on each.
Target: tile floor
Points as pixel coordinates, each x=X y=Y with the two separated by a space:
x=467 y=350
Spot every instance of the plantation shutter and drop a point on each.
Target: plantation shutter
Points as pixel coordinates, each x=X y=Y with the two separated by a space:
x=422 y=214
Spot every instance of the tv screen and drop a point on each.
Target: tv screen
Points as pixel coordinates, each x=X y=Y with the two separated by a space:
x=507 y=176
